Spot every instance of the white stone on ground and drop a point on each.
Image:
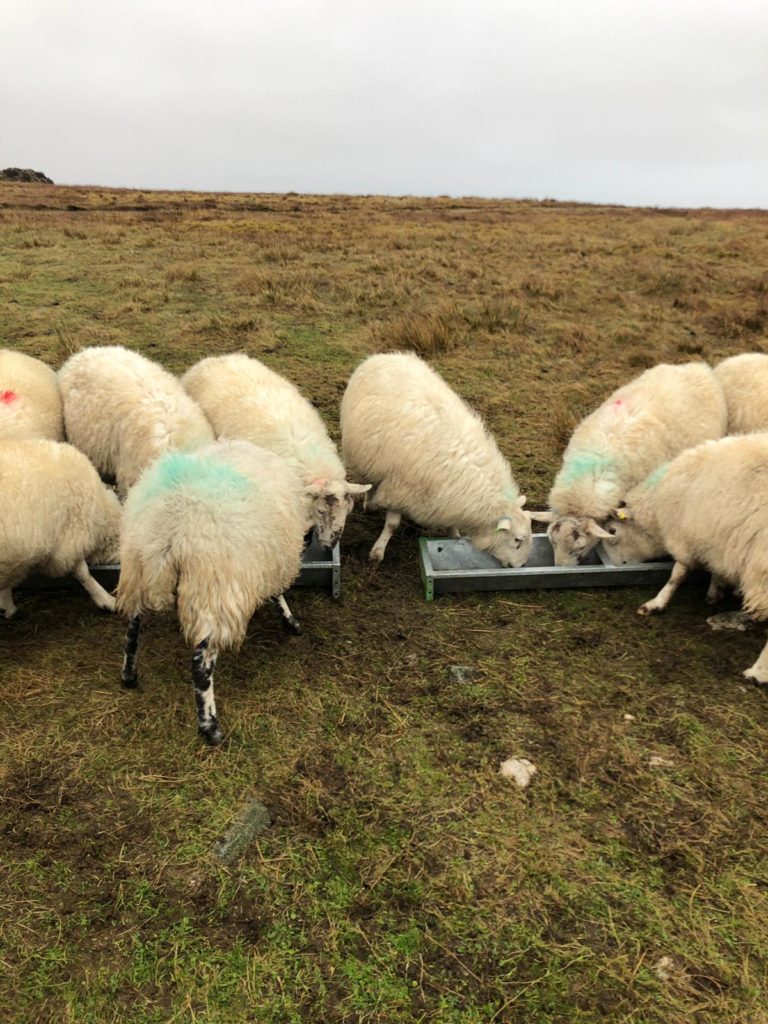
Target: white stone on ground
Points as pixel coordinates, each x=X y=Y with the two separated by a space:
x=520 y=769
x=654 y=761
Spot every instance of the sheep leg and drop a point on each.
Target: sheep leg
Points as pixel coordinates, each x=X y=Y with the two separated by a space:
x=97 y=593
x=290 y=621
x=129 y=677
x=758 y=673
x=454 y=533
x=203 y=664
x=391 y=523
x=662 y=599
x=715 y=590
x=7 y=607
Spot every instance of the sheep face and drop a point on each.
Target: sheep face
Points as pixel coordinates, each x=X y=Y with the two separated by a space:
x=509 y=540
x=573 y=538
x=331 y=501
x=629 y=543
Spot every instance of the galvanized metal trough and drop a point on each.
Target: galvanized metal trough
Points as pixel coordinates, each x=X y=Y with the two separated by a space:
x=320 y=568
x=454 y=565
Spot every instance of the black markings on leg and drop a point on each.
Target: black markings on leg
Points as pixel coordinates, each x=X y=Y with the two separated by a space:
x=290 y=621
x=129 y=676
x=203 y=664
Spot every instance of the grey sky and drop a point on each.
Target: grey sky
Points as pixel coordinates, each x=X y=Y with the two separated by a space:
x=604 y=100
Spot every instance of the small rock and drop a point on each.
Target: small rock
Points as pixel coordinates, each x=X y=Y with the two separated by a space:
x=654 y=761
x=249 y=824
x=520 y=769
x=664 y=968
x=629 y=718
x=464 y=673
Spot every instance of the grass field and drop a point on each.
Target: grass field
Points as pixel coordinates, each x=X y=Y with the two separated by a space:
x=402 y=879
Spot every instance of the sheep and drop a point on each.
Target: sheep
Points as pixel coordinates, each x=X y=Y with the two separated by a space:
x=215 y=533
x=744 y=380
x=30 y=402
x=124 y=411
x=57 y=514
x=243 y=398
x=640 y=426
x=430 y=457
x=709 y=509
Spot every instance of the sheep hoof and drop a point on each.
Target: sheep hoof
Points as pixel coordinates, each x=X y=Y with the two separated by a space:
x=645 y=609
x=376 y=555
x=293 y=626
x=129 y=680
x=750 y=676
x=213 y=734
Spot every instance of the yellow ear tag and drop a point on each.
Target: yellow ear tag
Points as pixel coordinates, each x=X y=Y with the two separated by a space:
x=621 y=514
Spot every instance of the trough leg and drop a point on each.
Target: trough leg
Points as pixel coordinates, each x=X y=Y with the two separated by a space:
x=129 y=677
x=662 y=599
x=97 y=593
x=391 y=523
x=758 y=673
x=290 y=621
x=7 y=607
x=203 y=664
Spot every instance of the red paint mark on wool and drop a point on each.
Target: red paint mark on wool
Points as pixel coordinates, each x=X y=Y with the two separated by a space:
x=6 y=397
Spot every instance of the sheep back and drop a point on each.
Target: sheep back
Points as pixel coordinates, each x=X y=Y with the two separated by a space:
x=30 y=401
x=744 y=380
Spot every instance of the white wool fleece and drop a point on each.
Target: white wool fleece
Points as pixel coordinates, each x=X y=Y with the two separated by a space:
x=30 y=402
x=744 y=380
x=124 y=410
x=215 y=533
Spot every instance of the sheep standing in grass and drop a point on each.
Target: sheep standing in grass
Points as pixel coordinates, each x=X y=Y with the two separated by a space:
x=243 y=398
x=214 y=533
x=710 y=509
x=30 y=402
x=430 y=457
x=56 y=514
x=639 y=427
x=744 y=380
x=124 y=411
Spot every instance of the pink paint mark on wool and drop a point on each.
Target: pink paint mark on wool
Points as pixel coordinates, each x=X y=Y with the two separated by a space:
x=6 y=397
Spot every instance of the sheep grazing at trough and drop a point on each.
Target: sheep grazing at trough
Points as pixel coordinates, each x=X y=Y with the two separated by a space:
x=430 y=457
x=56 y=516
x=638 y=428
x=244 y=399
x=124 y=411
x=214 y=533
x=30 y=401
x=710 y=509
x=744 y=380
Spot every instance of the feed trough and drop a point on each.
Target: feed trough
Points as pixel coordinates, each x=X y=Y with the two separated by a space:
x=320 y=568
x=454 y=565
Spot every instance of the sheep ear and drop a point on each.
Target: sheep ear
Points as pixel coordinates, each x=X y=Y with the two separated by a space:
x=358 y=488
x=541 y=517
x=505 y=523
x=521 y=501
x=594 y=529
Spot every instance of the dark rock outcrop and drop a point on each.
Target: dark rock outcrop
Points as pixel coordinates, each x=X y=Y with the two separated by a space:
x=24 y=174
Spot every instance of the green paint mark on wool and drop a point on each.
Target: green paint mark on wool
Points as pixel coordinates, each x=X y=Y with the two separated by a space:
x=587 y=464
x=657 y=475
x=206 y=475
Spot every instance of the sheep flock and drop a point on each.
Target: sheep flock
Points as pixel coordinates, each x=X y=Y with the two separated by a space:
x=206 y=488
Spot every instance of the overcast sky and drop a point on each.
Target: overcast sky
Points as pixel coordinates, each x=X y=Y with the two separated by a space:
x=605 y=100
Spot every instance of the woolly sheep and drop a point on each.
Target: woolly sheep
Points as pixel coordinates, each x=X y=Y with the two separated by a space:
x=430 y=457
x=710 y=508
x=213 y=533
x=243 y=398
x=57 y=514
x=124 y=411
x=30 y=402
x=744 y=380
x=640 y=426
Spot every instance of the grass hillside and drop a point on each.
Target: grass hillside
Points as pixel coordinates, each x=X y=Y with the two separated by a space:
x=402 y=879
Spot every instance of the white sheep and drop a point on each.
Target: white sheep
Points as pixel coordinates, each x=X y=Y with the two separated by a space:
x=214 y=533
x=243 y=398
x=30 y=402
x=124 y=411
x=744 y=380
x=430 y=457
x=56 y=514
x=640 y=426
x=710 y=508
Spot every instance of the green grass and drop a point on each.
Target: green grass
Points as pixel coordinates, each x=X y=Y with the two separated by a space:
x=402 y=880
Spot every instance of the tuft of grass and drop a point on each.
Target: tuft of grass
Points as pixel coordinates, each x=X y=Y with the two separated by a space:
x=427 y=334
